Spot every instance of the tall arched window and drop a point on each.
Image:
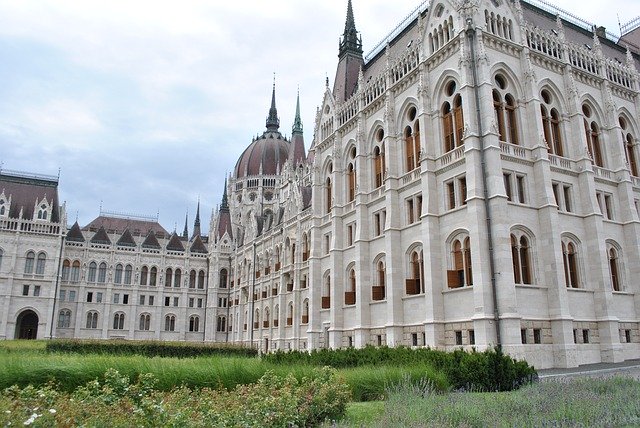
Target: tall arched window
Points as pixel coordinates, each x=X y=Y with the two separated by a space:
x=145 y=322
x=415 y=283
x=168 y=277
x=551 y=123
x=504 y=106
x=521 y=258
x=66 y=269
x=64 y=318
x=118 y=321
x=223 y=278
x=256 y=319
x=93 y=268
x=117 y=279
x=128 y=271
x=153 y=275
x=379 y=291
x=328 y=189
x=350 y=293
x=461 y=274
x=29 y=261
x=305 y=247
x=452 y=117
x=201 y=280
x=177 y=278
x=221 y=322
x=40 y=263
x=378 y=159
x=351 y=175
x=102 y=273
x=144 y=273
x=192 y=278
x=92 y=319
x=276 y=315
x=75 y=271
x=629 y=147
x=194 y=323
x=570 y=261
x=170 y=323
x=409 y=149
x=592 y=134
x=305 y=311
x=614 y=269
x=290 y=314
x=326 y=292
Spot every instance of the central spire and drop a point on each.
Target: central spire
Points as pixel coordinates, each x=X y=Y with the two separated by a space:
x=350 y=42
x=273 y=123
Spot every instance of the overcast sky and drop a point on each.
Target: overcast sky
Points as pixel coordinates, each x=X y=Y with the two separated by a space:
x=145 y=105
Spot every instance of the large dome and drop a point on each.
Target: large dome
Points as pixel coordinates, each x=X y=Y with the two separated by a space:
x=265 y=156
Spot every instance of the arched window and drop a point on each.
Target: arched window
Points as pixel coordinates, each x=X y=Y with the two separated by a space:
x=92 y=319
x=194 y=323
x=118 y=275
x=153 y=275
x=221 y=323
x=521 y=258
x=144 y=273
x=614 y=269
x=351 y=175
x=328 y=190
x=223 y=278
x=379 y=291
x=177 y=278
x=66 y=269
x=201 y=280
x=504 y=106
x=461 y=274
x=412 y=140
x=551 y=123
x=629 y=147
x=305 y=311
x=305 y=247
x=276 y=315
x=145 y=322
x=118 y=321
x=29 y=261
x=265 y=322
x=40 y=263
x=570 y=260
x=64 y=318
x=102 y=273
x=168 y=277
x=452 y=117
x=42 y=212
x=379 y=167
x=170 y=323
x=256 y=319
x=128 y=270
x=326 y=292
x=93 y=268
x=409 y=149
x=415 y=283
x=350 y=293
x=75 y=271
x=290 y=314
x=192 y=279
x=592 y=134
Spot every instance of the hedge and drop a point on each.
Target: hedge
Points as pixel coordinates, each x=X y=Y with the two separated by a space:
x=147 y=348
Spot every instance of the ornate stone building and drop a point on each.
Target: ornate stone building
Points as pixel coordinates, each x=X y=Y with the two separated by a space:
x=472 y=181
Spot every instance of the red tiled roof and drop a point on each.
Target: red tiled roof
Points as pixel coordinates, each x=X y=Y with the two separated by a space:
x=25 y=190
x=119 y=225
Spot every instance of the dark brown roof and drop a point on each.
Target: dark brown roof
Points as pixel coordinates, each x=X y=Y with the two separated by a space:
x=75 y=234
x=151 y=241
x=120 y=224
x=174 y=243
x=25 y=189
x=101 y=237
x=126 y=240
x=265 y=155
x=224 y=224
x=198 y=246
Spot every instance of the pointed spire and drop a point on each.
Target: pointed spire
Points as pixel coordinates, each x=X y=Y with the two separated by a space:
x=273 y=123
x=350 y=42
x=225 y=204
x=185 y=232
x=297 y=122
x=196 y=223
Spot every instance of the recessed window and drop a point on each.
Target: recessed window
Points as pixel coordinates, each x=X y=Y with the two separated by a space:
x=411 y=114
x=451 y=88
x=501 y=82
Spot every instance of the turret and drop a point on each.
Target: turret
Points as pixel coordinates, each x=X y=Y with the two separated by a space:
x=350 y=60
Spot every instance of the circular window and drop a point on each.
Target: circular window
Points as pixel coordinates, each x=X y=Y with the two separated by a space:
x=327 y=109
x=411 y=114
x=546 y=96
x=451 y=88
x=623 y=125
x=268 y=196
x=586 y=110
x=352 y=152
x=380 y=135
x=500 y=81
x=252 y=196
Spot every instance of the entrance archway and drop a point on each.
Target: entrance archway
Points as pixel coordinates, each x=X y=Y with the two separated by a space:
x=27 y=325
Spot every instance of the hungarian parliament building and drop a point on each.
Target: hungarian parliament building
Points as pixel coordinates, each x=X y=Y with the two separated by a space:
x=472 y=182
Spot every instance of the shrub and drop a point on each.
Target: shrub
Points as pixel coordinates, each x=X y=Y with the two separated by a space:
x=147 y=348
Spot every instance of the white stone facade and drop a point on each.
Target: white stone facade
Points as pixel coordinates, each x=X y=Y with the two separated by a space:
x=478 y=185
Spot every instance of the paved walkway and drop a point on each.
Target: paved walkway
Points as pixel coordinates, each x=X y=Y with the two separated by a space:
x=629 y=368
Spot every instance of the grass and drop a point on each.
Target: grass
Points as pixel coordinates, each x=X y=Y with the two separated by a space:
x=573 y=403
x=27 y=363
